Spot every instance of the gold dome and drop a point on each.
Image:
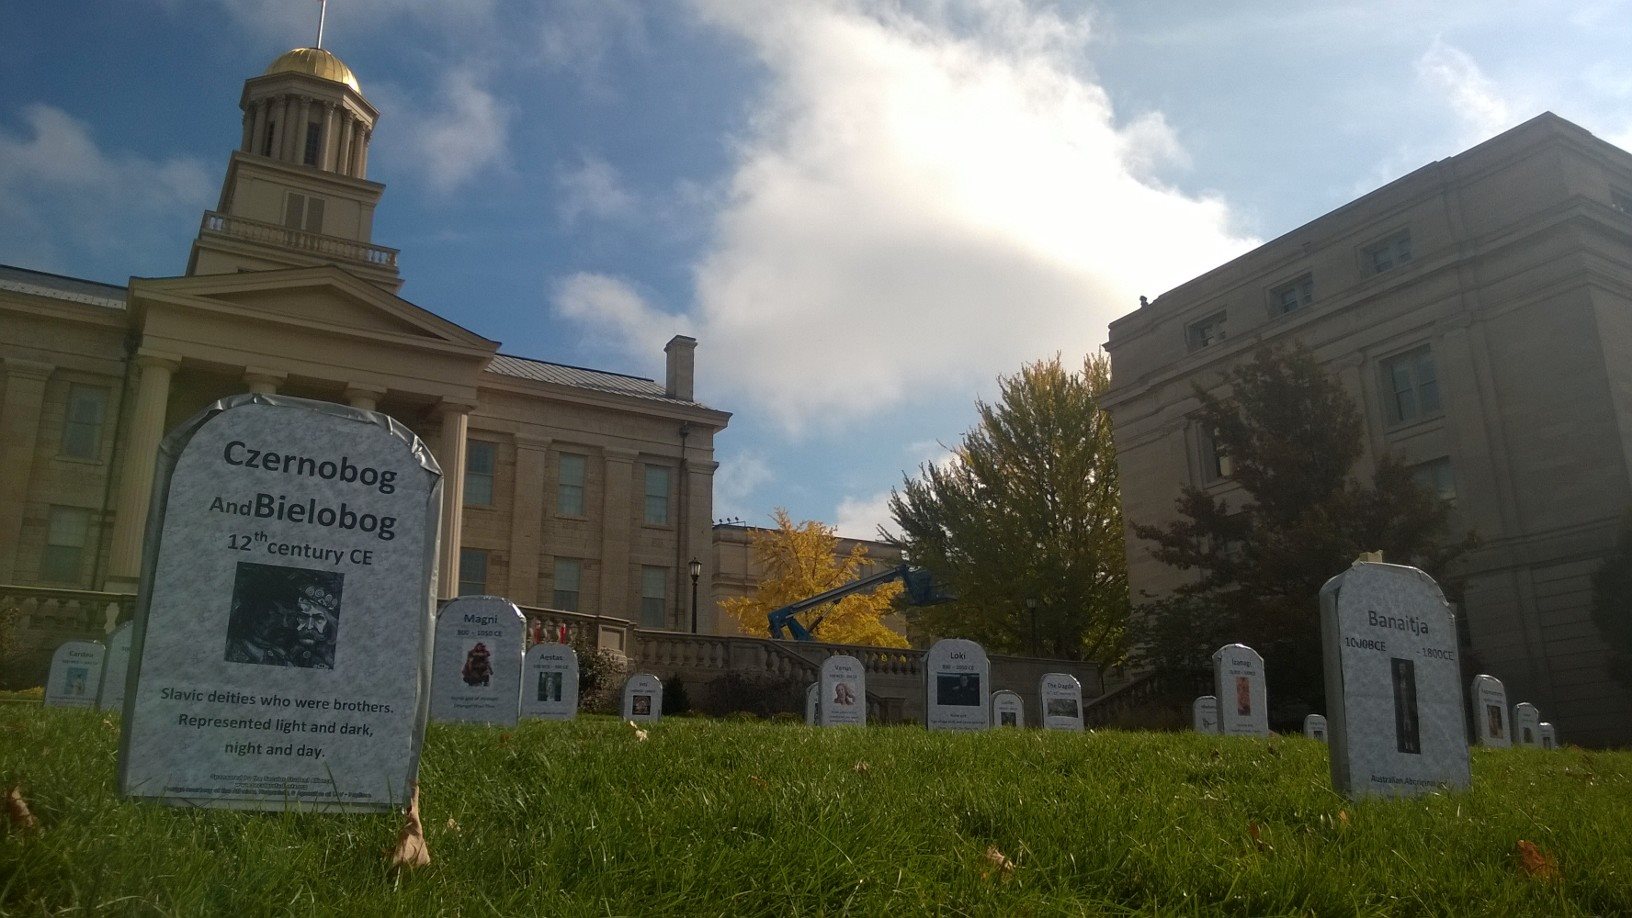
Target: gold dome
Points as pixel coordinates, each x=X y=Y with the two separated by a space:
x=318 y=63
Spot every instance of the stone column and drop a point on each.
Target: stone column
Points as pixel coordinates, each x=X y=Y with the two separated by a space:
x=141 y=453
x=286 y=148
x=20 y=419
x=365 y=397
x=277 y=111
x=325 y=158
x=527 y=519
x=700 y=536
x=362 y=153
x=616 y=515
x=342 y=155
x=262 y=381
x=303 y=124
x=1349 y=377
x=257 y=135
x=455 y=420
x=249 y=129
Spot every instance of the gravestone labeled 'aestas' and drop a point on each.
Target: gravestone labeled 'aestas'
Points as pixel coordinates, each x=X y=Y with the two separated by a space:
x=1008 y=709
x=1060 y=697
x=477 y=674
x=643 y=697
x=1490 y=721
x=76 y=675
x=115 y=667
x=1204 y=714
x=1314 y=727
x=549 y=682
x=956 y=675
x=283 y=629
x=1549 y=736
x=813 y=703
x=1238 y=686
x=1526 y=725
x=1393 y=685
x=843 y=692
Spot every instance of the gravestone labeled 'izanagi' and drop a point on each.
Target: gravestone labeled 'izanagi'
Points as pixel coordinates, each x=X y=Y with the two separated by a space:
x=76 y=674
x=1393 y=686
x=1314 y=727
x=643 y=697
x=1549 y=736
x=1008 y=710
x=115 y=667
x=549 y=682
x=477 y=674
x=1238 y=686
x=843 y=692
x=1526 y=725
x=1204 y=714
x=813 y=703
x=1060 y=697
x=956 y=674
x=283 y=628
x=1490 y=722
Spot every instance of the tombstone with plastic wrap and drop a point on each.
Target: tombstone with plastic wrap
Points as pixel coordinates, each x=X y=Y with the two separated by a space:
x=115 y=667
x=282 y=642
x=476 y=677
x=1393 y=685
x=1314 y=727
x=1060 y=697
x=1490 y=721
x=1238 y=686
x=843 y=699
x=1204 y=714
x=1526 y=725
x=1549 y=736
x=813 y=703
x=1008 y=710
x=76 y=675
x=549 y=682
x=956 y=674
x=643 y=698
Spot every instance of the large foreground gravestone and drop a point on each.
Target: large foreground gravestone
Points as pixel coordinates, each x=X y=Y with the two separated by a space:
x=1238 y=686
x=115 y=667
x=76 y=674
x=1314 y=727
x=1060 y=697
x=549 y=682
x=643 y=697
x=956 y=674
x=843 y=692
x=477 y=674
x=1204 y=714
x=283 y=628
x=1549 y=736
x=1393 y=686
x=1526 y=725
x=1490 y=721
x=1008 y=709
x=813 y=703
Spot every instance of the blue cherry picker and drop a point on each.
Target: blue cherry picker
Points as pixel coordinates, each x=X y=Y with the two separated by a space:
x=920 y=591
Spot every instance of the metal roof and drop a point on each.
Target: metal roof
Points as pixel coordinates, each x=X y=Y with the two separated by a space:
x=582 y=378
x=57 y=287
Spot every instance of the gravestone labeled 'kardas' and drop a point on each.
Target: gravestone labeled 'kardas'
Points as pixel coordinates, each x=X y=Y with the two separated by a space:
x=813 y=703
x=1549 y=736
x=1314 y=727
x=76 y=674
x=1060 y=697
x=843 y=692
x=956 y=674
x=1008 y=710
x=115 y=667
x=1238 y=686
x=643 y=697
x=283 y=628
x=1393 y=686
x=477 y=674
x=1490 y=722
x=1204 y=714
x=1526 y=725
x=549 y=682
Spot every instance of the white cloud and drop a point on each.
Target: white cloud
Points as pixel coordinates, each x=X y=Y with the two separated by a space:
x=737 y=480
x=464 y=135
x=862 y=517
x=592 y=189
x=1470 y=94
x=614 y=308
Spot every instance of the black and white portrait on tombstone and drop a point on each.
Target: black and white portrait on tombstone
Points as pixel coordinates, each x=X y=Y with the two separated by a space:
x=284 y=616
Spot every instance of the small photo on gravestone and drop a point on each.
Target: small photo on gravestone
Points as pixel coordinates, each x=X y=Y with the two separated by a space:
x=76 y=681
x=1009 y=719
x=284 y=616
x=478 y=668
x=1062 y=707
x=1243 y=696
x=549 y=686
x=1408 y=737
x=959 y=689
x=642 y=705
x=1493 y=720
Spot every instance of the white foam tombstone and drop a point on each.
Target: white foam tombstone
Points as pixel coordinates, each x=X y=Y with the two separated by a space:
x=549 y=682
x=476 y=677
x=1526 y=725
x=843 y=692
x=1060 y=697
x=281 y=654
x=1238 y=687
x=1549 y=736
x=115 y=667
x=76 y=673
x=1008 y=710
x=1393 y=686
x=813 y=703
x=1314 y=727
x=1204 y=714
x=643 y=698
x=1491 y=726
x=956 y=673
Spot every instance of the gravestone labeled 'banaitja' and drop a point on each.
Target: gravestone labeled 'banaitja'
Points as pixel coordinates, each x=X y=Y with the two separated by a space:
x=1393 y=686
x=477 y=674
x=115 y=667
x=1060 y=697
x=956 y=675
x=1490 y=721
x=843 y=692
x=1314 y=727
x=1238 y=686
x=549 y=682
x=1204 y=714
x=283 y=628
x=813 y=703
x=76 y=674
x=1008 y=710
x=1549 y=736
x=643 y=698
x=1526 y=725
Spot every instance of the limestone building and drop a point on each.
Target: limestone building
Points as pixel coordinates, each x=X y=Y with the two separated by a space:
x=1479 y=310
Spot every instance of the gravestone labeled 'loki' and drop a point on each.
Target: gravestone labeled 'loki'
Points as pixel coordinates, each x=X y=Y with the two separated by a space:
x=1008 y=710
x=1491 y=726
x=1526 y=725
x=643 y=697
x=1314 y=727
x=1204 y=714
x=843 y=692
x=115 y=667
x=76 y=674
x=1393 y=686
x=813 y=703
x=1060 y=697
x=549 y=682
x=477 y=674
x=282 y=646
x=1549 y=736
x=956 y=674
x=1238 y=686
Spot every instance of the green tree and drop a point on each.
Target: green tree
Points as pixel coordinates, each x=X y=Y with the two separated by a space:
x=1027 y=509
x=1612 y=604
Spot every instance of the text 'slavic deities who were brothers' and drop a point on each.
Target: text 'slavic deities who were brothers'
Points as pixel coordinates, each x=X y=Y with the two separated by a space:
x=282 y=641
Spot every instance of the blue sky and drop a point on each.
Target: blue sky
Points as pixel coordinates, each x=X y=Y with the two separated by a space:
x=865 y=212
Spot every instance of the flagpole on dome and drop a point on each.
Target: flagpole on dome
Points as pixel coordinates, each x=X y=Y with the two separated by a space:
x=322 y=13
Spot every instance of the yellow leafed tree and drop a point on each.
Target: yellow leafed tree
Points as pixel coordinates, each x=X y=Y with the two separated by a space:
x=797 y=562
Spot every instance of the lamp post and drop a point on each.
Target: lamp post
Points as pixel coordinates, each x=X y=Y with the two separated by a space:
x=696 y=571
x=1031 y=606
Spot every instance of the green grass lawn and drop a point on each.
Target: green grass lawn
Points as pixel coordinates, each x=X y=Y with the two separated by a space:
x=708 y=817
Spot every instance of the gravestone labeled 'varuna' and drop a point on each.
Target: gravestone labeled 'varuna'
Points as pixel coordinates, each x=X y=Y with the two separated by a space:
x=1549 y=736
x=115 y=667
x=956 y=675
x=1060 y=697
x=1314 y=727
x=283 y=628
x=643 y=697
x=1008 y=710
x=1491 y=726
x=1204 y=714
x=843 y=692
x=1238 y=686
x=76 y=674
x=476 y=677
x=549 y=682
x=813 y=703
x=1393 y=686
x=1526 y=725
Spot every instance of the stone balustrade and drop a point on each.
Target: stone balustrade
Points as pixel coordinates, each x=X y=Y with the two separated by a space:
x=34 y=620
x=220 y=224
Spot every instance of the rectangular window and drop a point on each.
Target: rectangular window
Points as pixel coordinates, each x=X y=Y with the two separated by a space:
x=1293 y=296
x=1206 y=332
x=654 y=597
x=67 y=533
x=657 y=495
x=1390 y=253
x=1435 y=477
x=314 y=142
x=303 y=212
x=1410 y=386
x=1215 y=463
x=472 y=572
x=569 y=491
x=479 y=461
x=82 y=426
x=568 y=573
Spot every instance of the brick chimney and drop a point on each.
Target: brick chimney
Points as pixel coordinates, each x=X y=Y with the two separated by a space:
x=682 y=367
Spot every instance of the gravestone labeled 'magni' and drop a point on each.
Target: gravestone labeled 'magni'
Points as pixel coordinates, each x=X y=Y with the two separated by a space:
x=1526 y=725
x=1490 y=721
x=843 y=692
x=813 y=703
x=477 y=674
x=115 y=667
x=956 y=675
x=643 y=698
x=1008 y=709
x=283 y=628
x=1238 y=686
x=1393 y=686
x=1204 y=714
x=1060 y=697
x=1314 y=727
x=549 y=682
x=1549 y=736
x=76 y=675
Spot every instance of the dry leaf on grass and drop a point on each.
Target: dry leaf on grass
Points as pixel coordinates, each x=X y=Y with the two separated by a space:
x=861 y=768
x=759 y=782
x=640 y=735
x=997 y=863
x=453 y=825
x=411 y=850
x=1343 y=817
x=1537 y=864
x=1257 y=833
x=17 y=809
